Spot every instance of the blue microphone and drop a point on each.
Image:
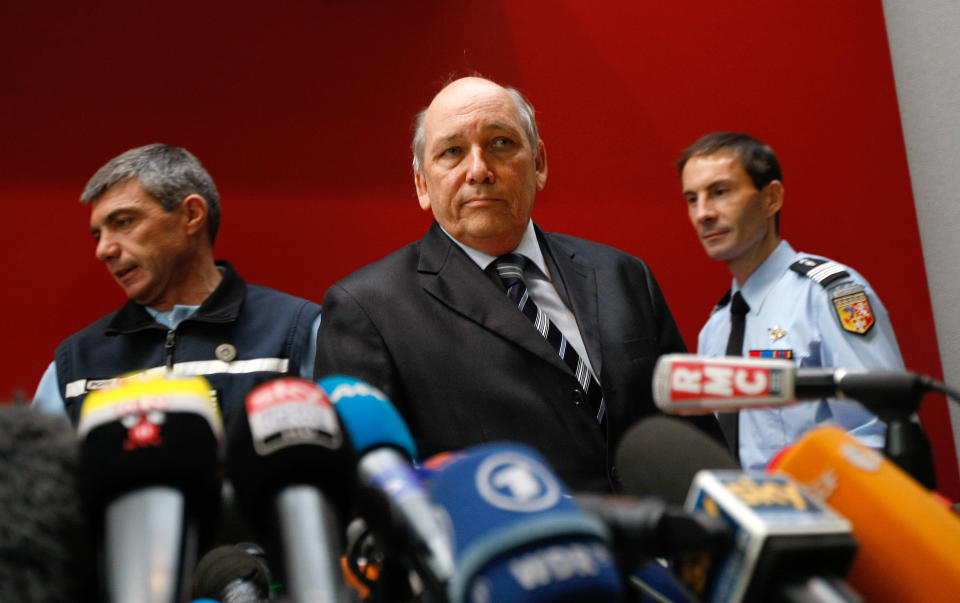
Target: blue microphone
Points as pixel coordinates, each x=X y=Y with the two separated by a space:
x=519 y=536
x=391 y=496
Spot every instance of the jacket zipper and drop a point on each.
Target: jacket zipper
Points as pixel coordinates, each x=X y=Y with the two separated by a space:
x=169 y=346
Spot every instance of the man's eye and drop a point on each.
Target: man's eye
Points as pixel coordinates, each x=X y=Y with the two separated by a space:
x=691 y=199
x=451 y=152
x=502 y=142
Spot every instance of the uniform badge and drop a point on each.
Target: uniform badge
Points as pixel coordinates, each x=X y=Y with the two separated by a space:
x=776 y=333
x=853 y=310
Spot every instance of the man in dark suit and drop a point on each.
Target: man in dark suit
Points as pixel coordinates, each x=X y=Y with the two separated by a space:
x=439 y=331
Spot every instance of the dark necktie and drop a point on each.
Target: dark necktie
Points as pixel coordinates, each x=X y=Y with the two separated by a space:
x=729 y=421
x=510 y=269
x=738 y=321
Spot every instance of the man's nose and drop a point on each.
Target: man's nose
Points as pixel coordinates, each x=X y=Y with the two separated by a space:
x=703 y=210
x=107 y=248
x=478 y=170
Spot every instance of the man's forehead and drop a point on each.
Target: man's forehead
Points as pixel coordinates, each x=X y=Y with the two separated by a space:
x=479 y=104
x=126 y=195
x=713 y=166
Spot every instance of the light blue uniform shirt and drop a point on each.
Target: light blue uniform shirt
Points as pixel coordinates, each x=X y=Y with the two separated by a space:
x=49 y=399
x=791 y=311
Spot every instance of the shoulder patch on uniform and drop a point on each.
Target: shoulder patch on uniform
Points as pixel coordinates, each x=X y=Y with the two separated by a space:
x=821 y=271
x=853 y=309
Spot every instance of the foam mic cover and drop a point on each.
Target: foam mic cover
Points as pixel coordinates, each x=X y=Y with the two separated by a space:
x=288 y=435
x=519 y=536
x=44 y=541
x=909 y=541
x=149 y=432
x=236 y=573
x=370 y=418
x=150 y=472
x=659 y=456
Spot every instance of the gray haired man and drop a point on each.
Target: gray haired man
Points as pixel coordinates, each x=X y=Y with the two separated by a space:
x=154 y=215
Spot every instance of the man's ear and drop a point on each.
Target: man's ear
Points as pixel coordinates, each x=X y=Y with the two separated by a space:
x=195 y=209
x=774 y=196
x=540 y=165
x=423 y=195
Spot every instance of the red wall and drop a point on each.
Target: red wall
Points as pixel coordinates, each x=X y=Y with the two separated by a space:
x=302 y=114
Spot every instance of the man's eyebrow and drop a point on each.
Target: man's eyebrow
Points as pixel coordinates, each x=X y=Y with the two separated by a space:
x=445 y=140
x=711 y=184
x=497 y=125
x=112 y=216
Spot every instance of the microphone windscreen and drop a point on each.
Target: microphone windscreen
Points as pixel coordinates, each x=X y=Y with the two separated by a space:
x=229 y=568
x=909 y=541
x=659 y=456
x=287 y=434
x=518 y=534
x=152 y=431
x=45 y=543
x=370 y=418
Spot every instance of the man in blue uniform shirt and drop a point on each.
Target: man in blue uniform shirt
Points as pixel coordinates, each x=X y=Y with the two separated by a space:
x=784 y=303
x=154 y=215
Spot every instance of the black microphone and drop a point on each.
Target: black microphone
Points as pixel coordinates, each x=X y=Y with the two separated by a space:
x=652 y=460
x=235 y=573
x=293 y=471
x=643 y=529
x=150 y=473
x=788 y=546
x=44 y=540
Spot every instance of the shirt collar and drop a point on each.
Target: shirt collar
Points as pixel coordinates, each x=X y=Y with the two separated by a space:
x=528 y=247
x=755 y=290
x=172 y=318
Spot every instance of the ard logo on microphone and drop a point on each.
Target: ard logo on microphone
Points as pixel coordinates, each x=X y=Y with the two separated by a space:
x=516 y=482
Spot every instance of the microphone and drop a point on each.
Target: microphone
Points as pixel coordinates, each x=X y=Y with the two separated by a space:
x=293 y=472
x=687 y=384
x=657 y=442
x=44 y=540
x=391 y=496
x=643 y=529
x=519 y=535
x=909 y=541
x=787 y=546
x=233 y=574
x=149 y=472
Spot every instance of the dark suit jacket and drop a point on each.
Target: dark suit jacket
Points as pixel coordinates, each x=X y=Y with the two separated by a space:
x=444 y=342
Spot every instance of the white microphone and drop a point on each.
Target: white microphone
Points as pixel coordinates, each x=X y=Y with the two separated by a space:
x=687 y=384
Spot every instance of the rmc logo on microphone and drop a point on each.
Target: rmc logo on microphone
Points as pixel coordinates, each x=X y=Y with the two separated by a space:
x=698 y=384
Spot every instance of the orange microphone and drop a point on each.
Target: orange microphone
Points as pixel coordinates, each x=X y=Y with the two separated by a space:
x=909 y=541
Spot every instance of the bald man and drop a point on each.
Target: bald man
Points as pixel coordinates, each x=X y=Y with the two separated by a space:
x=488 y=328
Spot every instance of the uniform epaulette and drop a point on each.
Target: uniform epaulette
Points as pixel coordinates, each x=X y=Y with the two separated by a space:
x=821 y=271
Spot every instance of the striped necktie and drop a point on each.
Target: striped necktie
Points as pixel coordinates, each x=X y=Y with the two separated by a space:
x=510 y=269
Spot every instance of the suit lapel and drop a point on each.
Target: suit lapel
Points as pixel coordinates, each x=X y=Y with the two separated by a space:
x=449 y=275
x=579 y=278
